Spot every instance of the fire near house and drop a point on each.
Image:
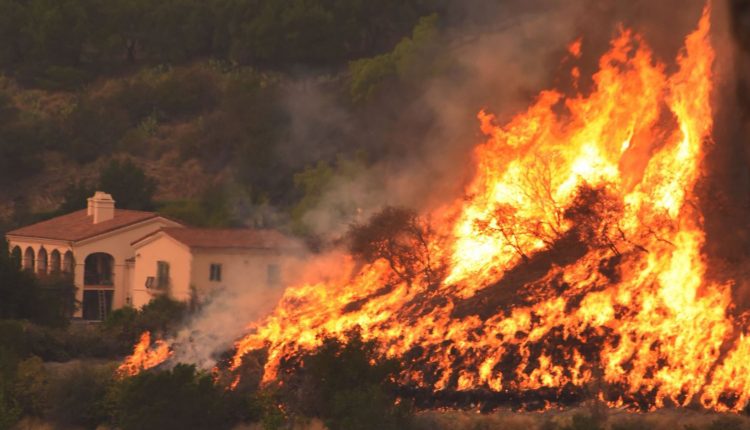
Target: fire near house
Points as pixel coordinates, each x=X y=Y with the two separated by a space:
x=121 y=257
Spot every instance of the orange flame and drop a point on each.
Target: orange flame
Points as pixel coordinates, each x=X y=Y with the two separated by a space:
x=575 y=257
x=145 y=356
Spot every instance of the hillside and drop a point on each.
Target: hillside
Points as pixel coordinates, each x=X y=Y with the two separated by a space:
x=251 y=96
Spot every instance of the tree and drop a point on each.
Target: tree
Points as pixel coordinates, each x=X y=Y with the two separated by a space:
x=75 y=197
x=19 y=146
x=128 y=184
x=59 y=30
x=17 y=288
x=48 y=301
x=519 y=230
x=314 y=182
x=411 y=60
x=596 y=216
x=55 y=300
x=12 y=19
x=401 y=238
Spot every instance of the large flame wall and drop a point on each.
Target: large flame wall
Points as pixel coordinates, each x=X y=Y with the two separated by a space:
x=574 y=259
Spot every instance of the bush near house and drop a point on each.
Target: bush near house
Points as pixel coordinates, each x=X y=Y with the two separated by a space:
x=125 y=326
x=347 y=385
x=48 y=300
x=179 y=398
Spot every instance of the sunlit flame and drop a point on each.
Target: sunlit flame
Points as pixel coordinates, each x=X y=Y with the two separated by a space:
x=145 y=356
x=602 y=185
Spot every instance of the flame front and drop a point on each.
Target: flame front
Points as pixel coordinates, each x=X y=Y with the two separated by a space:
x=582 y=216
x=145 y=356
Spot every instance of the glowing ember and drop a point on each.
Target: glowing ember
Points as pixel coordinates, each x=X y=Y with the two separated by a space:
x=575 y=258
x=145 y=356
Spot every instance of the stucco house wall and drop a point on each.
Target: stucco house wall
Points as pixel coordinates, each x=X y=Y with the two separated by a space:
x=118 y=245
x=148 y=253
x=239 y=269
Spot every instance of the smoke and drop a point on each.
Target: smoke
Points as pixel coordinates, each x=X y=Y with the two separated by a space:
x=220 y=322
x=423 y=146
x=499 y=56
x=223 y=316
x=320 y=126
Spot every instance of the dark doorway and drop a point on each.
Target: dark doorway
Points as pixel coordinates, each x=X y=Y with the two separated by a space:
x=97 y=304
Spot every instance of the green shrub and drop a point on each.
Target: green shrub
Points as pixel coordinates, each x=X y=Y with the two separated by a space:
x=186 y=92
x=31 y=386
x=62 y=78
x=92 y=129
x=347 y=385
x=10 y=413
x=49 y=300
x=211 y=210
x=411 y=60
x=124 y=326
x=55 y=301
x=77 y=396
x=13 y=349
x=179 y=398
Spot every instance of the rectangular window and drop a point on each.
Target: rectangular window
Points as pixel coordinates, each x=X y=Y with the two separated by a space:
x=215 y=274
x=274 y=275
x=162 y=274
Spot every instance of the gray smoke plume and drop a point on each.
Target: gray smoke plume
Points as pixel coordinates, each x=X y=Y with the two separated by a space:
x=503 y=54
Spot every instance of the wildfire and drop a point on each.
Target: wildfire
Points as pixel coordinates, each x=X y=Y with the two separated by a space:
x=574 y=259
x=145 y=356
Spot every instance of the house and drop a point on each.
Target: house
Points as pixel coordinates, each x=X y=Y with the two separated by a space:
x=190 y=263
x=120 y=257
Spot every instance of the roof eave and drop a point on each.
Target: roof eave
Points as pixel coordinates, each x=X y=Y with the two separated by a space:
x=39 y=238
x=110 y=231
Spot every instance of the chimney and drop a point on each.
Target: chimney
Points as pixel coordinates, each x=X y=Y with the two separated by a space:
x=101 y=207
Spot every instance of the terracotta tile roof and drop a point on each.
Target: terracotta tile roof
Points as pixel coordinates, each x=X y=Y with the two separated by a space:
x=77 y=225
x=206 y=238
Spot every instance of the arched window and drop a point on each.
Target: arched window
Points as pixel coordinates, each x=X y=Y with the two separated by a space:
x=98 y=270
x=28 y=259
x=69 y=263
x=54 y=262
x=16 y=257
x=42 y=261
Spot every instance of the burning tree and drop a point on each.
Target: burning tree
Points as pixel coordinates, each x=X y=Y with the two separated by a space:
x=403 y=239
